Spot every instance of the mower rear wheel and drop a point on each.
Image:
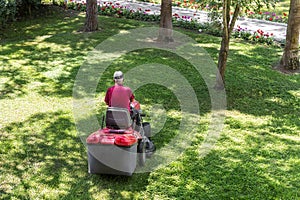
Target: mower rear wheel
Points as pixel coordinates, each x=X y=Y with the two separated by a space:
x=141 y=150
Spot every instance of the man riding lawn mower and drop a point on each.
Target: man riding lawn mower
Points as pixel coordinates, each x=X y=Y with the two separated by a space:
x=124 y=141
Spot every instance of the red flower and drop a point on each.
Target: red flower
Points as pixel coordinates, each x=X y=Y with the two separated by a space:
x=257 y=36
x=260 y=31
x=284 y=14
x=176 y=15
x=271 y=19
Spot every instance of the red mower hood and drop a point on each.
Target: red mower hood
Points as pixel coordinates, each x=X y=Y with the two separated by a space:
x=107 y=136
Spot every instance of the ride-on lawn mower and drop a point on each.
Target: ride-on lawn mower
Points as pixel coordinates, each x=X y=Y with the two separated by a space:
x=118 y=147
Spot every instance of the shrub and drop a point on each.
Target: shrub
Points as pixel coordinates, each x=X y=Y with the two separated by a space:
x=8 y=10
x=12 y=9
x=25 y=7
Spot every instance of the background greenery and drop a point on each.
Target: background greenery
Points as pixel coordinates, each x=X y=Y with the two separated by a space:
x=256 y=157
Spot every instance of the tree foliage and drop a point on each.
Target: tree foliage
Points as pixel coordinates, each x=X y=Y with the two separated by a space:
x=221 y=13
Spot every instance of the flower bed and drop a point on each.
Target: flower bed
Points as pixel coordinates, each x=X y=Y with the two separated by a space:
x=187 y=22
x=268 y=16
x=258 y=36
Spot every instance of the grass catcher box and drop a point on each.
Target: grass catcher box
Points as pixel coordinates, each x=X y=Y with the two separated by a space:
x=112 y=152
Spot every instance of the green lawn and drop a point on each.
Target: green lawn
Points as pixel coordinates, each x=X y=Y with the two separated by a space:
x=256 y=157
x=282 y=7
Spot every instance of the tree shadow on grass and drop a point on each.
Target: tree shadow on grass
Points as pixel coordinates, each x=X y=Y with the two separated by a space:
x=253 y=172
x=14 y=84
x=44 y=152
x=42 y=157
x=254 y=88
x=23 y=57
x=38 y=150
x=52 y=50
x=53 y=20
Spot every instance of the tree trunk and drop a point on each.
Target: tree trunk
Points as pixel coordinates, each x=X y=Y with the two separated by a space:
x=223 y=53
x=290 y=58
x=224 y=50
x=91 y=22
x=166 y=26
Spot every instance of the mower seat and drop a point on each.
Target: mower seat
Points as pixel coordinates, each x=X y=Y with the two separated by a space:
x=118 y=118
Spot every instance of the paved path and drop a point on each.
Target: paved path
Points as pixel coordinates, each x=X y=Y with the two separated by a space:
x=278 y=29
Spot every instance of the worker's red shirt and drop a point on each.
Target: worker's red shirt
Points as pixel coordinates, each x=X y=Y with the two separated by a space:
x=119 y=96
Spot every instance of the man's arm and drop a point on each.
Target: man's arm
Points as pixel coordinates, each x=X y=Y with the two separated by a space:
x=107 y=96
x=131 y=97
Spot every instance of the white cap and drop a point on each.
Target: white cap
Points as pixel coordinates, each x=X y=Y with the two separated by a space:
x=118 y=75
